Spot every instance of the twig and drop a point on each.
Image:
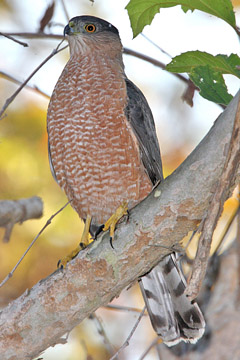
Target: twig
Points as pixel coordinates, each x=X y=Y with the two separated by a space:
x=125 y=50
x=126 y=343
x=34 y=240
x=40 y=35
x=123 y=308
x=153 y=343
x=10 y=100
x=13 y=39
x=65 y=10
x=154 y=62
x=231 y=166
x=157 y=46
x=102 y=333
x=18 y=82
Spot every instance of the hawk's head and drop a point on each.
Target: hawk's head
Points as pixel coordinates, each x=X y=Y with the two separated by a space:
x=88 y=25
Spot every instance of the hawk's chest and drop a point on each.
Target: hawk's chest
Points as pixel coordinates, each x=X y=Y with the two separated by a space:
x=88 y=105
x=95 y=154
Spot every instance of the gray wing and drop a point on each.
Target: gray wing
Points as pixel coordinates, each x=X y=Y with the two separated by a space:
x=141 y=120
x=173 y=316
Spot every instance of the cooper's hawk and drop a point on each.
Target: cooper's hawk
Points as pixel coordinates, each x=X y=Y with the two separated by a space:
x=104 y=152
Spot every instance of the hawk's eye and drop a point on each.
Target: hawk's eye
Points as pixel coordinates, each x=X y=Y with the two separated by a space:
x=90 y=28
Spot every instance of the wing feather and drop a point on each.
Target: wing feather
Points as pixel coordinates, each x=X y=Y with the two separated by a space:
x=141 y=120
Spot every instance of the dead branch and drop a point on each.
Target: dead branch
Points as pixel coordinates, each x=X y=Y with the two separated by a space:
x=214 y=211
x=47 y=16
x=13 y=39
x=35 y=35
x=18 y=211
x=54 y=306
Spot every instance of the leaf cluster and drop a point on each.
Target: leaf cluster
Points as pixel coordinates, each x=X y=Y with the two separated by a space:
x=205 y=70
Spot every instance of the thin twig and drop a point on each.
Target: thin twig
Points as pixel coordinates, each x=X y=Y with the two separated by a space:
x=102 y=333
x=34 y=240
x=153 y=343
x=65 y=10
x=126 y=343
x=10 y=100
x=123 y=308
x=40 y=35
x=18 y=82
x=125 y=50
x=13 y=39
x=157 y=46
x=154 y=62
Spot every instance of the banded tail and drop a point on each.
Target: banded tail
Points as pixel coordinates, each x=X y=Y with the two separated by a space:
x=173 y=316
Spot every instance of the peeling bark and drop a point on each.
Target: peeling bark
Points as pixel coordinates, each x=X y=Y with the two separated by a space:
x=38 y=318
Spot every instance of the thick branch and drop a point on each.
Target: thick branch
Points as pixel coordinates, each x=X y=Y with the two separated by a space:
x=55 y=305
x=12 y=212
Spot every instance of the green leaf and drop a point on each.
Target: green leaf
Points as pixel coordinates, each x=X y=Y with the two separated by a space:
x=223 y=64
x=211 y=84
x=142 y=12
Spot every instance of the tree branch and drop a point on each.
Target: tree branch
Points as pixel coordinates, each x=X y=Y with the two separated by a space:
x=38 y=318
x=12 y=212
x=214 y=211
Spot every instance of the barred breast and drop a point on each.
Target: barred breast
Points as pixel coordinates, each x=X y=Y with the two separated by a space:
x=94 y=153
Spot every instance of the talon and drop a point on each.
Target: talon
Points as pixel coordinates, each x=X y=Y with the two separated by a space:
x=83 y=244
x=111 y=242
x=128 y=215
x=112 y=221
x=59 y=264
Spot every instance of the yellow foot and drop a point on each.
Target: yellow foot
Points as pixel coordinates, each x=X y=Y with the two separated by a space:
x=112 y=221
x=83 y=244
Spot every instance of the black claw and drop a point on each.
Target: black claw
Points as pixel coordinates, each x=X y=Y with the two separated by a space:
x=58 y=264
x=82 y=246
x=111 y=242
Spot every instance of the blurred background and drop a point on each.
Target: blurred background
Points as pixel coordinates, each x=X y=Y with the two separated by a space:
x=24 y=168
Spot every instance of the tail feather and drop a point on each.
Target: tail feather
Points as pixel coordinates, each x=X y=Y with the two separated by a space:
x=174 y=317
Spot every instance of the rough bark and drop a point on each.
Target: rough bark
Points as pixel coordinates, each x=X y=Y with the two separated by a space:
x=39 y=317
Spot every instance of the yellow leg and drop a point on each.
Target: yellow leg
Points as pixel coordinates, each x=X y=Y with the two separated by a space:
x=112 y=221
x=83 y=244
